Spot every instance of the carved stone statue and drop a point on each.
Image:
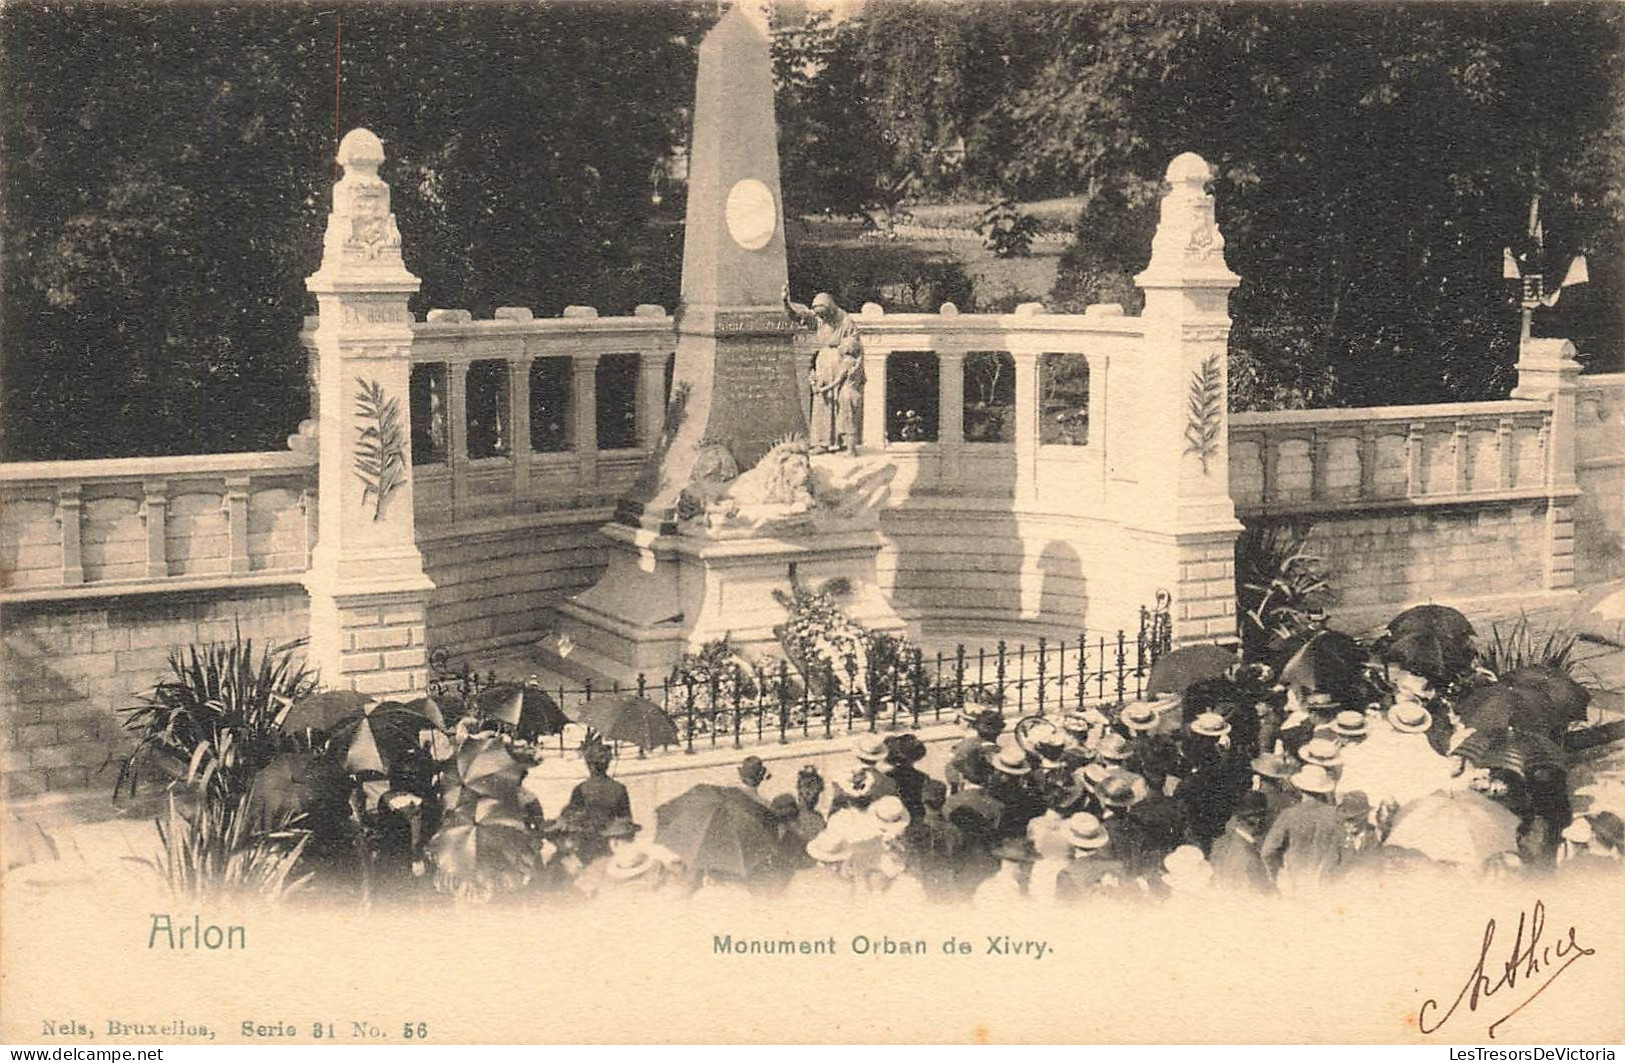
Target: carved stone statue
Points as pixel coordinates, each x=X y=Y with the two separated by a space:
x=835 y=377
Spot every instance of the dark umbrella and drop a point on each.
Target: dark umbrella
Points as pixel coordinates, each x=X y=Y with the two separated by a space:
x=1569 y=698
x=528 y=710
x=322 y=712
x=1431 y=640
x=1496 y=707
x=629 y=718
x=717 y=828
x=374 y=740
x=483 y=767
x=1323 y=661
x=293 y=784
x=429 y=709
x=1178 y=669
x=485 y=839
x=1519 y=752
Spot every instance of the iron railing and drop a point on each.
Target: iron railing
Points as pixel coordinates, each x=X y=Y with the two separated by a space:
x=731 y=705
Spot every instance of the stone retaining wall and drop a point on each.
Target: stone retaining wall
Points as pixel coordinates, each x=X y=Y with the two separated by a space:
x=67 y=666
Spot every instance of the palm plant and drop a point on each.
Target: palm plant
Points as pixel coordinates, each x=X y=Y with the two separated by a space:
x=210 y=852
x=1283 y=586
x=213 y=719
x=1521 y=647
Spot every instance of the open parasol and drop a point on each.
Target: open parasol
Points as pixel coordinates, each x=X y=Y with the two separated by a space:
x=483 y=767
x=629 y=718
x=526 y=709
x=372 y=741
x=1519 y=752
x=1569 y=698
x=717 y=828
x=322 y=712
x=1323 y=661
x=1178 y=669
x=1460 y=827
x=1430 y=640
x=486 y=840
x=1496 y=707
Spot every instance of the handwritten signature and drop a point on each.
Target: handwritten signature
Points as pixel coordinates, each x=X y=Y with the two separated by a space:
x=1528 y=959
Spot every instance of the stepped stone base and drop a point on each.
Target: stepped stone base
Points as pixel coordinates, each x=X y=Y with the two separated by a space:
x=664 y=595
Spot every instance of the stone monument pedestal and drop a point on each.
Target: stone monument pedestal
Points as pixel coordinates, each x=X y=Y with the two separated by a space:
x=667 y=594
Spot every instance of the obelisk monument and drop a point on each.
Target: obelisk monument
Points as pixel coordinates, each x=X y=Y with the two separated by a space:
x=735 y=383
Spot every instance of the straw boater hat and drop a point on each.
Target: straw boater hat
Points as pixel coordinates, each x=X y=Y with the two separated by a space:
x=1210 y=725
x=1409 y=717
x=1275 y=765
x=870 y=749
x=829 y=847
x=1084 y=831
x=631 y=863
x=1579 y=831
x=1094 y=773
x=1139 y=717
x=1186 y=866
x=1113 y=746
x=891 y=817
x=1011 y=761
x=1323 y=752
x=1122 y=789
x=1314 y=779
x=1076 y=721
x=1350 y=723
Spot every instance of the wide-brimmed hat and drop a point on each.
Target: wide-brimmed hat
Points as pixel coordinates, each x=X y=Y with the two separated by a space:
x=1186 y=860
x=869 y=748
x=1016 y=849
x=1076 y=721
x=1210 y=725
x=631 y=863
x=1314 y=779
x=1608 y=829
x=1276 y=764
x=906 y=749
x=1113 y=746
x=1350 y=723
x=1085 y=831
x=620 y=827
x=1321 y=701
x=988 y=720
x=1323 y=752
x=1354 y=805
x=1139 y=717
x=890 y=815
x=1011 y=760
x=1579 y=831
x=1409 y=717
x=1094 y=773
x=829 y=847
x=1121 y=789
x=860 y=783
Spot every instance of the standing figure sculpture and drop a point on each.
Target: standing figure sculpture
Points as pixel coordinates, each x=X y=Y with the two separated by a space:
x=835 y=376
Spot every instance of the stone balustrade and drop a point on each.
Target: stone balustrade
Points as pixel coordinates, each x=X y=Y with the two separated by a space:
x=83 y=529
x=1339 y=460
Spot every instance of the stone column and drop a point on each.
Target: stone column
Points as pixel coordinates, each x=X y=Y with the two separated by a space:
x=1183 y=525
x=584 y=404
x=368 y=591
x=519 y=427
x=651 y=398
x=1026 y=427
x=950 y=416
x=874 y=396
x=1549 y=373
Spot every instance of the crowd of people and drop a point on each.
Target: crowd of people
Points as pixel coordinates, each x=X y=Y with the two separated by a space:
x=1238 y=785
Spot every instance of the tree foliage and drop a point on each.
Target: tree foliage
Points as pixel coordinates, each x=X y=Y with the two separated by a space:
x=1371 y=159
x=167 y=174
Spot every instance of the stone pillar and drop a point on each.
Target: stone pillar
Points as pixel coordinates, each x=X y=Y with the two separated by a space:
x=651 y=398
x=1026 y=427
x=154 y=510
x=874 y=396
x=367 y=587
x=519 y=430
x=584 y=403
x=1182 y=524
x=950 y=416
x=1548 y=372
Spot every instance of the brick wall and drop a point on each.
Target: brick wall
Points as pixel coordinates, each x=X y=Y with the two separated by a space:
x=1445 y=554
x=496 y=587
x=66 y=666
